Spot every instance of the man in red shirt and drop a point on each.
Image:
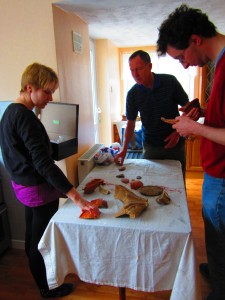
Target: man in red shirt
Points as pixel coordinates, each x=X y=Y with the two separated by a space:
x=189 y=36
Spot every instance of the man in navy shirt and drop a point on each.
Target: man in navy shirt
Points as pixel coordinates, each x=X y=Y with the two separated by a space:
x=153 y=96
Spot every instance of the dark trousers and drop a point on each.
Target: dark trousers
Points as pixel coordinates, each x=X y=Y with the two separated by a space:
x=176 y=153
x=37 y=219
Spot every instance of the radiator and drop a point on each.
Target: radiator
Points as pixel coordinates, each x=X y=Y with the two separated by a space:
x=86 y=161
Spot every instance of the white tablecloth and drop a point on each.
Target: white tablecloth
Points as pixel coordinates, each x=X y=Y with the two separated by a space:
x=153 y=252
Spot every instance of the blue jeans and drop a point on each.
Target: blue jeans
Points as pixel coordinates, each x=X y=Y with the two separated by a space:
x=213 y=194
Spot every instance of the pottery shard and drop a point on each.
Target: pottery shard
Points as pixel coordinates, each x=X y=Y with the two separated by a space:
x=133 y=204
x=194 y=103
x=100 y=203
x=86 y=214
x=135 y=184
x=103 y=190
x=164 y=198
x=125 y=180
x=92 y=185
x=122 y=168
x=186 y=108
x=120 y=176
x=151 y=190
x=169 y=121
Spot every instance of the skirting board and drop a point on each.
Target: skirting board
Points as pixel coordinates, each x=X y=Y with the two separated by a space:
x=18 y=244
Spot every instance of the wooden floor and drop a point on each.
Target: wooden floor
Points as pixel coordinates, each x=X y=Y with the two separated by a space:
x=17 y=283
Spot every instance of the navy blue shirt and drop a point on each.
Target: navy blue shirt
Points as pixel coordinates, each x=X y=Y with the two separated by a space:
x=152 y=104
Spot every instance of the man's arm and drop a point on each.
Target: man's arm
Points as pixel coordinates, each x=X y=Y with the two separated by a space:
x=193 y=110
x=186 y=126
x=172 y=140
x=129 y=131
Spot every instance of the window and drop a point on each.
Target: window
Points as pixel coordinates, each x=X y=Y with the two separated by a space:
x=94 y=91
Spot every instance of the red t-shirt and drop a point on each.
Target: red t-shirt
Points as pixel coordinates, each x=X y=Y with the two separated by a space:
x=213 y=154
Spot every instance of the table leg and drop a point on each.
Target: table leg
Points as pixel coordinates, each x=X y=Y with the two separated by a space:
x=122 y=293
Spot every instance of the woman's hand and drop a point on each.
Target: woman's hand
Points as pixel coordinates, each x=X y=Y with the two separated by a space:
x=86 y=205
x=81 y=202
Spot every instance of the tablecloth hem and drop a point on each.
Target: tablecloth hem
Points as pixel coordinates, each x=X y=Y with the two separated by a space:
x=120 y=285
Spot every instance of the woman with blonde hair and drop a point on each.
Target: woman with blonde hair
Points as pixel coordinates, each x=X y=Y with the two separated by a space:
x=37 y=181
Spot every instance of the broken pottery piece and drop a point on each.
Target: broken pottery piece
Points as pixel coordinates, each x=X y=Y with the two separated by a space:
x=100 y=203
x=92 y=185
x=134 y=205
x=136 y=184
x=150 y=190
x=163 y=199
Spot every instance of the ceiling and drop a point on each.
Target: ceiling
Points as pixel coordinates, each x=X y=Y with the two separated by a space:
x=130 y=23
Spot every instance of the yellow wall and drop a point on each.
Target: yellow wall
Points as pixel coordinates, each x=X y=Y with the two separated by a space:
x=108 y=83
x=32 y=30
x=26 y=35
x=75 y=79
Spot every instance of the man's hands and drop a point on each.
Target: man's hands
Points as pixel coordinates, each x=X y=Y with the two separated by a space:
x=194 y=113
x=172 y=140
x=185 y=125
x=119 y=158
x=191 y=112
x=192 y=109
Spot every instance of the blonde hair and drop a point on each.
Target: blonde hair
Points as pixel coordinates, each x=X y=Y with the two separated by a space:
x=40 y=76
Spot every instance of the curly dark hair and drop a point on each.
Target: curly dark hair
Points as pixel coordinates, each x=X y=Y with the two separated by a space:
x=177 y=29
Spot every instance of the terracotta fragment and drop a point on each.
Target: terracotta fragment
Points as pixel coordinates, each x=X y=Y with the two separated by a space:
x=103 y=190
x=86 y=214
x=125 y=180
x=92 y=185
x=164 y=198
x=136 y=184
x=100 y=203
x=122 y=168
x=194 y=103
x=186 y=108
x=169 y=121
